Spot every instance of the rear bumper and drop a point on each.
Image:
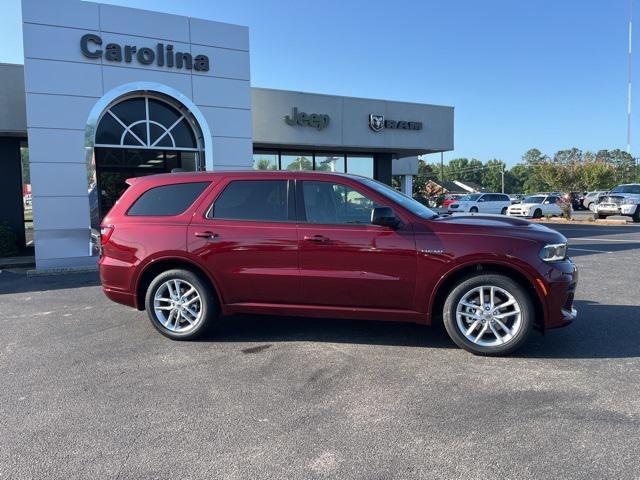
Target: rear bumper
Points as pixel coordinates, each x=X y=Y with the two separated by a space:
x=115 y=277
x=117 y=296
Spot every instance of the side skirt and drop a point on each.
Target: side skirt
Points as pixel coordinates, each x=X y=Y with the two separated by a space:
x=323 y=311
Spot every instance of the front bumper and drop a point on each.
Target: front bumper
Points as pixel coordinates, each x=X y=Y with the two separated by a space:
x=561 y=281
x=518 y=213
x=613 y=209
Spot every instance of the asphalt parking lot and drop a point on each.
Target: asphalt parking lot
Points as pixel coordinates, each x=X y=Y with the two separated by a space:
x=88 y=389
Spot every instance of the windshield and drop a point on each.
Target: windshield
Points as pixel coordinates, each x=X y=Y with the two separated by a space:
x=627 y=189
x=534 y=199
x=392 y=194
x=470 y=198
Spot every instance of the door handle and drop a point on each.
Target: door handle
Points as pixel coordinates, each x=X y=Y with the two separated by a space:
x=208 y=235
x=316 y=238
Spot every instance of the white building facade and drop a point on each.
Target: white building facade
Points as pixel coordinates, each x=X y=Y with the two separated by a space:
x=113 y=92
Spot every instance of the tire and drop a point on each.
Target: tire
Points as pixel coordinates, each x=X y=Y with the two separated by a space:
x=504 y=211
x=191 y=323
x=458 y=318
x=473 y=210
x=537 y=213
x=601 y=216
x=636 y=215
x=589 y=206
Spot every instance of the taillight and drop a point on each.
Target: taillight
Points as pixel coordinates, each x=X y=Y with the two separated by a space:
x=105 y=234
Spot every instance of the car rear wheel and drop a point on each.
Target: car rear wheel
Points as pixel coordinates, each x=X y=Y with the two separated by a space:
x=473 y=210
x=488 y=314
x=537 y=213
x=180 y=305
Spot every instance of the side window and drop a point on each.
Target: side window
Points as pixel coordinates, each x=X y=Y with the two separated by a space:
x=487 y=198
x=261 y=200
x=326 y=202
x=551 y=200
x=167 y=200
x=505 y=198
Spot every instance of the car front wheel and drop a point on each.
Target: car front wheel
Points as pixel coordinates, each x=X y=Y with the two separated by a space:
x=488 y=314
x=473 y=210
x=181 y=305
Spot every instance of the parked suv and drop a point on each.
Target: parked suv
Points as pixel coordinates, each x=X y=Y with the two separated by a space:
x=188 y=247
x=482 y=203
x=622 y=200
x=590 y=200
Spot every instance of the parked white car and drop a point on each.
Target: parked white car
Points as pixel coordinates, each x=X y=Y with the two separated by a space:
x=536 y=206
x=482 y=203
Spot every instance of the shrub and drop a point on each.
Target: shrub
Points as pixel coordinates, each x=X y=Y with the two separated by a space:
x=548 y=216
x=566 y=210
x=8 y=241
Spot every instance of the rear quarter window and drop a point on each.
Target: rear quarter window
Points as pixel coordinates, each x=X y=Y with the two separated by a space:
x=167 y=200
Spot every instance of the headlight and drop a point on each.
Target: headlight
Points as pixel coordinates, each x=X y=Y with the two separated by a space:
x=630 y=201
x=554 y=252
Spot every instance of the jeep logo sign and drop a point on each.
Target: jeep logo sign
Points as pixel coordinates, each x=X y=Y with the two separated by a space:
x=378 y=123
x=317 y=120
x=162 y=55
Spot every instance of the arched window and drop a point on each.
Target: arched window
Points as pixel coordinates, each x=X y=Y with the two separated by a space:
x=146 y=122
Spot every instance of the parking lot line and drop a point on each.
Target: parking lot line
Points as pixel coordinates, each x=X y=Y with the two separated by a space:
x=604 y=240
x=588 y=250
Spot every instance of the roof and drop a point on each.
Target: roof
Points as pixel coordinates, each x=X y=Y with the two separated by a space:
x=185 y=177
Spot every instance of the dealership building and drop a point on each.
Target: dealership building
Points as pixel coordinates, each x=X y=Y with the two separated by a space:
x=107 y=93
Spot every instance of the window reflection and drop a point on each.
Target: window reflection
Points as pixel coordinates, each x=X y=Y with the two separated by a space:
x=296 y=161
x=265 y=161
x=360 y=165
x=330 y=162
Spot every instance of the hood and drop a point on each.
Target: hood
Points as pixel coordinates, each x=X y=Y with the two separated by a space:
x=483 y=221
x=498 y=225
x=527 y=205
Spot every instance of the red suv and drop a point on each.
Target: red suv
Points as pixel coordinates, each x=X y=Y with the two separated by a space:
x=188 y=247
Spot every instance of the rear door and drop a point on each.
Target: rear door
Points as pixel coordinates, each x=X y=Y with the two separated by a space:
x=246 y=236
x=345 y=261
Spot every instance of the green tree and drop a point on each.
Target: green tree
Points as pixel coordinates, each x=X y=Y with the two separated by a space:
x=301 y=163
x=426 y=172
x=533 y=156
x=492 y=176
x=265 y=164
x=24 y=158
x=571 y=156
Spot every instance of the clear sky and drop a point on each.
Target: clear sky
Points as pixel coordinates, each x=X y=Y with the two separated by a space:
x=549 y=74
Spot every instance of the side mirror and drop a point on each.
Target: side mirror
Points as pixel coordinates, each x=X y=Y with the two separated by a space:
x=480 y=200
x=384 y=216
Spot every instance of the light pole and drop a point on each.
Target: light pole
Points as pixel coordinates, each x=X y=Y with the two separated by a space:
x=629 y=78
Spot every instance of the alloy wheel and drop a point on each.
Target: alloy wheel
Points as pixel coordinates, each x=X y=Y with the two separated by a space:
x=488 y=316
x=177 y=305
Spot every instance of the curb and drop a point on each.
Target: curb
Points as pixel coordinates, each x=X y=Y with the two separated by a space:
x=61 y=271
x=17 y=262
x=580 y=222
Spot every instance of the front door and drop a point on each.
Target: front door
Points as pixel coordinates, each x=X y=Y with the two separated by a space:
x=248 y=241
x=345 y=261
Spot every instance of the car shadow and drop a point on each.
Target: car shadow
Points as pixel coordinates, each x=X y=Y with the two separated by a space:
x=272 y=329
x=19 y=282
x=600 y=331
